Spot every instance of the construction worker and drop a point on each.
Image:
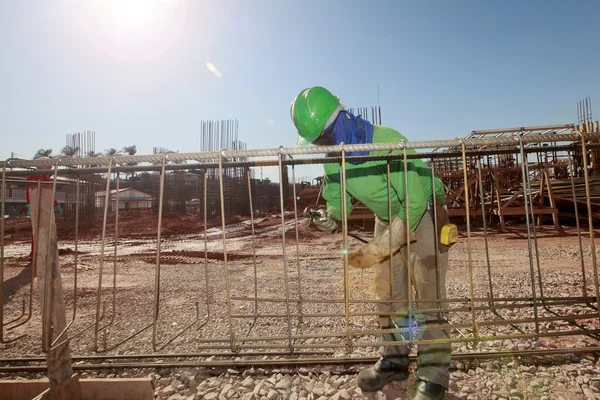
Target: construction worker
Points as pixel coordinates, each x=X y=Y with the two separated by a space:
x=26 y=210
x=321 y=120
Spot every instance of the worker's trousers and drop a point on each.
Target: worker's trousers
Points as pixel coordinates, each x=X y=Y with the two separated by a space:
x=429 y=268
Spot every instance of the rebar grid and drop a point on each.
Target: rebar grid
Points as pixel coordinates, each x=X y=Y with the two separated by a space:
x=468 y=314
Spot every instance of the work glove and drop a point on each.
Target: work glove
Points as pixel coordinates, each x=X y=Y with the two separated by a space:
x=379 y=248
x=58 y=210
x=321 y=219
x=25 y=210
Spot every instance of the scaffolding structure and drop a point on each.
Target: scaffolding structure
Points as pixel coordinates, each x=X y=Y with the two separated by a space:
x=496 y=178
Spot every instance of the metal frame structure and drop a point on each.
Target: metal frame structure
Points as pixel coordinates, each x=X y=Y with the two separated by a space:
x=480 y=315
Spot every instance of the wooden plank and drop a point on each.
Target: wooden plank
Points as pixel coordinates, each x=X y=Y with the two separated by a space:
x=66 y=390
x=552 y=201
x=46 y=253
x=460 y=212
x=521 y=211
x=91 y=389
x=499 y=202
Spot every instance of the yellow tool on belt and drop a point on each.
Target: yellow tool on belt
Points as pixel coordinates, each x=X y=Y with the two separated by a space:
x=449 y=234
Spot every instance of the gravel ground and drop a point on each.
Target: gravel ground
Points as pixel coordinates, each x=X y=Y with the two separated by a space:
x=183 y=284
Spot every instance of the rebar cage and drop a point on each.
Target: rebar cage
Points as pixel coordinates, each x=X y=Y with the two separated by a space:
x=271 y=285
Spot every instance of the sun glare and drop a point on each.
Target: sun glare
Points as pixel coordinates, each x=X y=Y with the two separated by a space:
x=134 y=29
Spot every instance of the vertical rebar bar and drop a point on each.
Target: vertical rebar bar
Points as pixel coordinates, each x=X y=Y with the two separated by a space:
x=101 y=267
x=227 y=277
x=590 y=218
x=116 y=238
x=485 y=234
x=526 y=187
x=390 y=243
x=3 y=200
x=345 y=252
x=436 y=229
x=75 y=262
x=285 y=266
x=408 y=260
x=253 y=242
x=47 y=328
x=158 y=245
x=205 y=177
x=577 y=224
x=299 y=305
x=469 y=247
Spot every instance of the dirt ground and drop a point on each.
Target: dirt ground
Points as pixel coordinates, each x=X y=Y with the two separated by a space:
x=193 y=271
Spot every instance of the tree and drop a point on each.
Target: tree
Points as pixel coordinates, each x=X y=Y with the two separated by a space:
x=110 y=152
x=130 y=150
x=92 y=153
x=43 y=153
x=70 y=151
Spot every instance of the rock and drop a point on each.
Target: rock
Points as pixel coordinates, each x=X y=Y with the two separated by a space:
x=176 y=397
x=572 y=368
x=164 y=382
x=319 y=389
x=248 y=396
x=344 y=394
x=248 y=382
x=460 y=366
x=233 y=372
x=532 y=369
x=225 y=390
x=589 y=394
x=283 y=384
x=308 y=386
x=211 y=396
x=258 y=387
x=168 y=391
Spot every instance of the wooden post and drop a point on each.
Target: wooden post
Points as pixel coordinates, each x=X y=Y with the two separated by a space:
x=553 y=202
x=60 y=370
x=541 y=197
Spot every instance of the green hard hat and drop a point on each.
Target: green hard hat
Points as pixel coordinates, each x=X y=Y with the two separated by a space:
x=312 y=110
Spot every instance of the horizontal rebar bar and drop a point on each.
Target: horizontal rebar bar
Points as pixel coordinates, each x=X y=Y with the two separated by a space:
x=296 y=161
x=301 y=361
x=307 y=150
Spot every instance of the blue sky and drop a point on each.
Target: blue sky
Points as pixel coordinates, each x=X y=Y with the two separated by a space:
x=135 y=71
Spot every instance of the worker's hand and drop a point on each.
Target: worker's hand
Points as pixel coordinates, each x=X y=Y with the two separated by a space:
x=321 y=220
x=25 y=210
x=58 y=210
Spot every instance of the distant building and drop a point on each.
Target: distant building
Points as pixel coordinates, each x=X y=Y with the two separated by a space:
x=16 y=189
x=129 y=199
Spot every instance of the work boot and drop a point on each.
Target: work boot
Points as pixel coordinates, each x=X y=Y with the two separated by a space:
x=383 y=372
x=429 y=391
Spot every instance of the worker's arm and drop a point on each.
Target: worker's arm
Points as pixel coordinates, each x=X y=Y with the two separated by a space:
x=332 y=192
